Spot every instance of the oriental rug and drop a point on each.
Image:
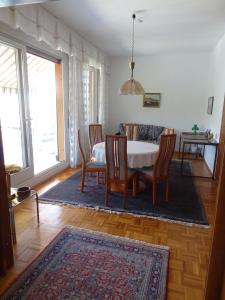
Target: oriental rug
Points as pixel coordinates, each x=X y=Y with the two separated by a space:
x=185 y=205
x=81 y=264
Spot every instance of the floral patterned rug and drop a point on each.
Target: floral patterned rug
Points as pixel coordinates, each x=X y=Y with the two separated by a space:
x=82 y=264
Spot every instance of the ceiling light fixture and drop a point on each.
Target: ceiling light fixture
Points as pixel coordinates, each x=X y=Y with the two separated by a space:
x=131 y=86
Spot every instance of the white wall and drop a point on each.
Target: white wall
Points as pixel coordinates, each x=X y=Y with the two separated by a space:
x=216 y=88
x=181 y=78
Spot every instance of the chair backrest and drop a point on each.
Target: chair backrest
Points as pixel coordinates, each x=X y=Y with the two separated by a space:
x=81 y=149
x=95 y=135
x=166 y=150
x=131 y=131
x=116 y=157
x=169 y=131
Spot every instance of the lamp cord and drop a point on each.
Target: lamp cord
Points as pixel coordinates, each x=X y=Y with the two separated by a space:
x=132 y=47
x=132 y=53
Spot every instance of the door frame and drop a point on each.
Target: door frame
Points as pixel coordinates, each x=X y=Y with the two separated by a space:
x=216 y=269
x=6 y=253
x=215 y=283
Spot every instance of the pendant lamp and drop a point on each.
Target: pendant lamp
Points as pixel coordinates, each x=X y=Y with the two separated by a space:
x=132 y=86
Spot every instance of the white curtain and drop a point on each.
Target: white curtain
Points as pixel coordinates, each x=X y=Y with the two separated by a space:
x=37 y=22
x=79 y=105
x=78 y=108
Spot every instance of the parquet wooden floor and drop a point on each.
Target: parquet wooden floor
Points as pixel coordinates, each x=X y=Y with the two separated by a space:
x=189 y=246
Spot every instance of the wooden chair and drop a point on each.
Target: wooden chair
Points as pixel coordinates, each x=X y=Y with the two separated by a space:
x=89 y=167
x=160 y=170
x=117 y=171
x=169 y=131
x=95 y=135
x=131 y=131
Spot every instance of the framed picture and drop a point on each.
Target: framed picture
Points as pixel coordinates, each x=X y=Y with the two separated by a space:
x=210 y=105
x=151 y=100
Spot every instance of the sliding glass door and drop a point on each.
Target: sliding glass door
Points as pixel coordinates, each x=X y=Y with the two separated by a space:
x=10 y=107
x=32 y=122
x=13 y=113
x=44 y=112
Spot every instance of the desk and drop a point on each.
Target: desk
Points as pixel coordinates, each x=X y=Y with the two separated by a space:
x=15 y=200
x=139 y=154
x=188 y=138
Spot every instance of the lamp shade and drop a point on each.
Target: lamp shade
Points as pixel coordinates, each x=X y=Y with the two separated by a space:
x=131 y=87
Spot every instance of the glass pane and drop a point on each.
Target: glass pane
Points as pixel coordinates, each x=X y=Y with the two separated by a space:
x=10 y=107
x=43 y=111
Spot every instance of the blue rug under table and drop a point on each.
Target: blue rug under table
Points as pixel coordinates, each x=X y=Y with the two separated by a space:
x=184 y=204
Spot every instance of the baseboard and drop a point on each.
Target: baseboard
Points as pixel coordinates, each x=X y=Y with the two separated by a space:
x=44 y=175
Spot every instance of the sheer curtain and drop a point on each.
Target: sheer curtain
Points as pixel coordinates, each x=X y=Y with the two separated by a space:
x=76 y=107
x=79 y=105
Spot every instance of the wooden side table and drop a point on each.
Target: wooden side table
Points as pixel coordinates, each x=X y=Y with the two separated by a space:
x=14 y=201
x=189 y=139
x=185 y=135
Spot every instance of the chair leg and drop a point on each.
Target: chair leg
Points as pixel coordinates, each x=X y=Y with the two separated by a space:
x=134 y=189
x=97 y=178
x=82 y=181
x=107 y=191
x=137 y=185
x=125 y=196
x=154 y=192
x=167 y=190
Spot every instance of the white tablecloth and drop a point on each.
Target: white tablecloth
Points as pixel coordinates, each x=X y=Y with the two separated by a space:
x=139 y=154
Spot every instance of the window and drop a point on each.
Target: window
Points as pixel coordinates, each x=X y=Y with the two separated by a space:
x=32 y=122
x=93 y=95
x=12 y=107
x=46 y=110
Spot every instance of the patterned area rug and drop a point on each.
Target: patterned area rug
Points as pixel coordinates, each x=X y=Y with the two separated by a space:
x=81 y=264
x=184 y=205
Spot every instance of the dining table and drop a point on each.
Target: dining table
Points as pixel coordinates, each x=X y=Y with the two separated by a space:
x=139 y=153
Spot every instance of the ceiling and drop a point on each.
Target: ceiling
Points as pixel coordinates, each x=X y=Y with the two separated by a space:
x=168 y=25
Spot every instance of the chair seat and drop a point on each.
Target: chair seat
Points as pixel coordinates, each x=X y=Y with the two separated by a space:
x=146 y=171
x=93 y=165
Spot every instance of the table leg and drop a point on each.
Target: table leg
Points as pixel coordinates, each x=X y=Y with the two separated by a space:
x=203 y=154
x=37 y=204
x=182 y=159
x=215 y=160
x=180 y=146
x=12 y=221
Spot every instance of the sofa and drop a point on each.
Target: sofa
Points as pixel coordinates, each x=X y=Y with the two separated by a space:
x=146 y=132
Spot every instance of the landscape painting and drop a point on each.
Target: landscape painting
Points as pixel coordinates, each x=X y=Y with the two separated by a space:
x=151 y=100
